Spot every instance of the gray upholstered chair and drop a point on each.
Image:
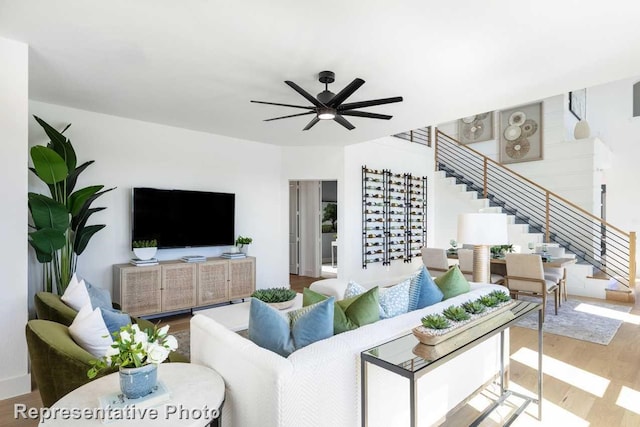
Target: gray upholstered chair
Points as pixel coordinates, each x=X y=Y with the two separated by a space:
x=525 y=275
x=465 y=259
x=557 y=274
x=435 y=259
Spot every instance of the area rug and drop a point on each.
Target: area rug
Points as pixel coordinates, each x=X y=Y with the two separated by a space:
x=591 y=321
x=184 y=342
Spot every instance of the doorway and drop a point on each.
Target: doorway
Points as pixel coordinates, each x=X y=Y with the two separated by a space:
x=313 y=215
x=329 y=228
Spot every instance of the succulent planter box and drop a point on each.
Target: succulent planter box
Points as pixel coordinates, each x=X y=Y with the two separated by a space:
x=435 y=336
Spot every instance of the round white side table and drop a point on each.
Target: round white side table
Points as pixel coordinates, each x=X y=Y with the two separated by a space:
x=195 y=391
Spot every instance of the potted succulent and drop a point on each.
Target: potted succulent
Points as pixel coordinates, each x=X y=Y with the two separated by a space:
x=280 y=298
x=145 y=249
x=243 y=243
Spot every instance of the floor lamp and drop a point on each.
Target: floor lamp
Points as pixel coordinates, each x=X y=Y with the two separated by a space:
x=482 y=230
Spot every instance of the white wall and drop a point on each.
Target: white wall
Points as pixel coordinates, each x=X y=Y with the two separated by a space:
x=14 y=93
x=610 y=117
x=131 y=153
x=394 y=154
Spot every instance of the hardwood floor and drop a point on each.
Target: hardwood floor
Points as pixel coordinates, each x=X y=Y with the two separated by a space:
x=585 y=384
x=298 y=283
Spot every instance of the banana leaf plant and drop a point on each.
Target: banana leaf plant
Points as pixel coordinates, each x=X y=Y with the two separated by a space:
x=59 y=233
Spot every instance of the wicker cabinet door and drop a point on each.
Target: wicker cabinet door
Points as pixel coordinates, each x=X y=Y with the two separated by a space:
x=140 y=290
x=178 y=286
x=242 y=275
x=213 y=282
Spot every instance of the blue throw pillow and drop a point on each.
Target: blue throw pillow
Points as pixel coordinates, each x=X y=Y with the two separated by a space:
x=423 y=291
x=285 y=333
x=393 y=300
x=99 y=297
x=114 y=319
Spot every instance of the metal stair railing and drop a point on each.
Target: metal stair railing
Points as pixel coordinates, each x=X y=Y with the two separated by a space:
x=420 y=136
x=609 y=249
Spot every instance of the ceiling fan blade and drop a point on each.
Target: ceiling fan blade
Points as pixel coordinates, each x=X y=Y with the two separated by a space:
x=311 y=123
x=365 y=114
x=344 y=122
x=345 y=93
x=362 y=104
x=283 y=105
x=304 y=93
x=292 y=115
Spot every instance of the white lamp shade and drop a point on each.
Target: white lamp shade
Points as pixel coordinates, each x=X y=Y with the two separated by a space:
x=483 y=229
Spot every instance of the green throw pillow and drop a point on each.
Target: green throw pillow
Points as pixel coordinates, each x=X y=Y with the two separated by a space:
x=349 y=313
x=452 y=283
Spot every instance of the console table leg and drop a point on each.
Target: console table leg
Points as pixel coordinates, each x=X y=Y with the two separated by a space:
x=363 y=392
x=501 y=363
x=412 y=399
x=540 y=349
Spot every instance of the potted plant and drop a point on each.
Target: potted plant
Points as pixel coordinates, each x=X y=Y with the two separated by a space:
x=279 y=298
x=136 y=353
x=243 y=243
x=145 y=249
x=453 y=250
x=59 y=232
x=499 y=251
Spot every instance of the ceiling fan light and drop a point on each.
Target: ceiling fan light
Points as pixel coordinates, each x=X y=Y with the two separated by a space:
x=326 y=114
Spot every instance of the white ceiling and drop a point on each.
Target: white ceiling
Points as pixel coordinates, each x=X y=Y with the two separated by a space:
x=197 y=63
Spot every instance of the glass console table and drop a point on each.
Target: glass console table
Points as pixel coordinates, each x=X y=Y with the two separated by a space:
x=400 y=356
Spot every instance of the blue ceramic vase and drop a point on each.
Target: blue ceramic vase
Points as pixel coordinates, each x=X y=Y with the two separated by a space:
x=138 y=382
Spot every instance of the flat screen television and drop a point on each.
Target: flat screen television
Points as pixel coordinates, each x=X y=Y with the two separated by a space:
x=179 y=218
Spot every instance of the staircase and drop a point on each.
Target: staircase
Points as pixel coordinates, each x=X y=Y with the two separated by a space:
x=461 y=200
x=605 y=254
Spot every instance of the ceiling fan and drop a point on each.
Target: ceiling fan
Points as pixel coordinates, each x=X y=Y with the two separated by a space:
x=329 y=106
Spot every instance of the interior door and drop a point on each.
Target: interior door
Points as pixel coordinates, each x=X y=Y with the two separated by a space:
x=294 y=228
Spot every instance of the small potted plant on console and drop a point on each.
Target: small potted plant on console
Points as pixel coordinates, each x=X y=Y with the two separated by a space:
x=145 y=249
x=243 y=243
x=280 y=298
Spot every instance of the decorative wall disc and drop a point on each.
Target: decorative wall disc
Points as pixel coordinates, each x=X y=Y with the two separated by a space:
x=518 y=149
x=529 y=127
x=517 y=118
x=513 y=132
x=473 y=131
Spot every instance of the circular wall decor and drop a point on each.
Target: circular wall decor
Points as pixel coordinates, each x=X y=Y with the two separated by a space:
x=513 y=132
x=517 y=118
x=529 y=127
x=473 y=131
x=518 y=149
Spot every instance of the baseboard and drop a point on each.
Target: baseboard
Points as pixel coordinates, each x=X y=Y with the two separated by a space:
x=15 y=386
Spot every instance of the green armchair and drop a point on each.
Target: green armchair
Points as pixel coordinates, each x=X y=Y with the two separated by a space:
x=58 y=364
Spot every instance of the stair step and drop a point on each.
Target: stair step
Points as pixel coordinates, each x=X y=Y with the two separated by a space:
x=617 y=292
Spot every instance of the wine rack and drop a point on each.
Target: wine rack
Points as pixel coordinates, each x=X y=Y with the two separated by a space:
x=394 y=216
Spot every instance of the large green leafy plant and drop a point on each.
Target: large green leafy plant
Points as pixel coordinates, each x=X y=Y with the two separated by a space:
x=60 y=233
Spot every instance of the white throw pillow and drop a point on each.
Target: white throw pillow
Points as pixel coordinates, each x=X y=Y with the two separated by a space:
x=76 y=295
x=90 y=332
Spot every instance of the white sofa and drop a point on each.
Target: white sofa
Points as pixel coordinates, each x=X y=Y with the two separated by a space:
x=319 y=385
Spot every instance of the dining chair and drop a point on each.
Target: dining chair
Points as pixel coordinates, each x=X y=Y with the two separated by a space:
x=465 y=259
x=525 y=275
x=557 y=273
x=435 y=259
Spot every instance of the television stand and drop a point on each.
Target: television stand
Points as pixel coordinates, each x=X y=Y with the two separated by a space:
x=176 y=285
